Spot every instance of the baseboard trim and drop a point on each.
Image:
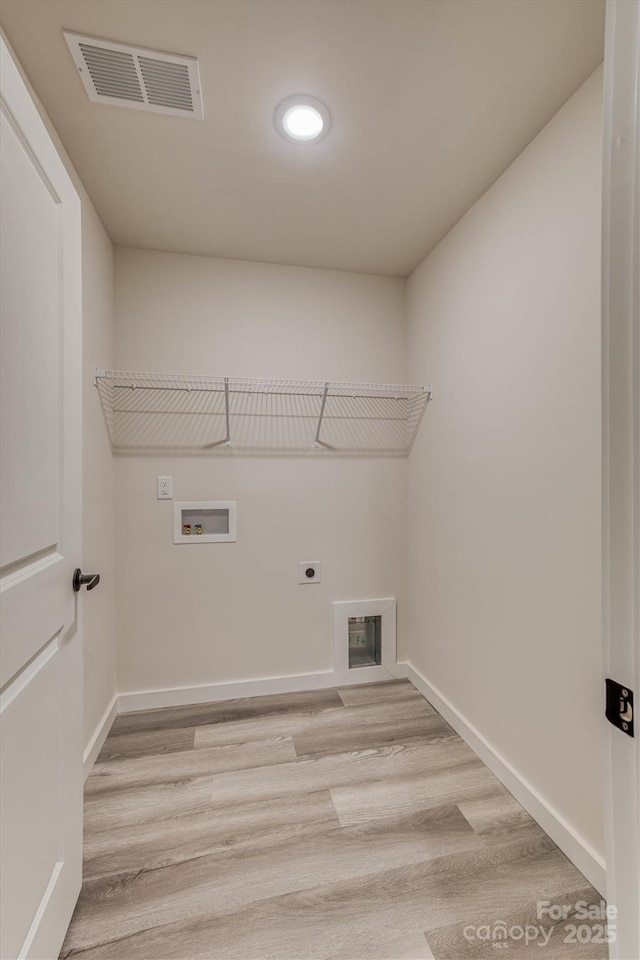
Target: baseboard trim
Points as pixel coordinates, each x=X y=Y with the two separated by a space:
x=100 y=735
x=234 y=690
x=585 y=858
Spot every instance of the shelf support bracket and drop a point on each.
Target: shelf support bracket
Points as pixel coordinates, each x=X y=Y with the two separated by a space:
x=316 y=442
x=227 y=439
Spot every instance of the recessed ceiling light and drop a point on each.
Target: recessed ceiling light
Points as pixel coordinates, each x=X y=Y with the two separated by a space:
x=302 y=118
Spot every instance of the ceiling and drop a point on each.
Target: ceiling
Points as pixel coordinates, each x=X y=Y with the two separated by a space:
x=430 y=101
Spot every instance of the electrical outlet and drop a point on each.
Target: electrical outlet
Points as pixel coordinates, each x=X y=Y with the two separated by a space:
x=309 y=571
x=165 y=488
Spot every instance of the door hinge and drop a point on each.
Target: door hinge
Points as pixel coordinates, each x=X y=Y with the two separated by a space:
x=619 y=706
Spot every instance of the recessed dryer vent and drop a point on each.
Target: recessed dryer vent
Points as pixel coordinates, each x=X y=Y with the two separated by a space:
x=364 y=640
x=127 y=76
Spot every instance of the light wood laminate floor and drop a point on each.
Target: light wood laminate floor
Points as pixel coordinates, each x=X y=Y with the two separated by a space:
x=351 y=824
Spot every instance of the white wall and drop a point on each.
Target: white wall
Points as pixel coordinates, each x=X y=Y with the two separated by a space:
x=504 y=480
x=209 y=613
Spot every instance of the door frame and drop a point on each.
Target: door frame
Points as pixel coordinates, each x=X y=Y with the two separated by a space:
x=621 y=456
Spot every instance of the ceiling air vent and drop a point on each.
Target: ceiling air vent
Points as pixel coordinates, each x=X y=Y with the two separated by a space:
x=128 y=76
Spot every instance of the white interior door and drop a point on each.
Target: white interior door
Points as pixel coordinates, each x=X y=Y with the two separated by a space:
x=621 y=456
x=41 y=650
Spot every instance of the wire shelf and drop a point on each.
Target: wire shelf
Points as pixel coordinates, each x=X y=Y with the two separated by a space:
x=164 y=413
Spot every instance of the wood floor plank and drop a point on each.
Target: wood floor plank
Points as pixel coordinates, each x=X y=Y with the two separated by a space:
x=420 y=729
x=401 y=946
x=498 y=816
x=302 y=723
x=403 y=794
x=378 y=692
x=113 y=810
x=146 y=743
x=225 y=710
x=138 y=771
x=227 y=832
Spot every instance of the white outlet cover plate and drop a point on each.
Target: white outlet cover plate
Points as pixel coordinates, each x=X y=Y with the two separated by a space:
x=303 y=566
x=165 y=488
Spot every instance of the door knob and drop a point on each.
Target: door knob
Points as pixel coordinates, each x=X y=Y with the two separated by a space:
x=88 y=580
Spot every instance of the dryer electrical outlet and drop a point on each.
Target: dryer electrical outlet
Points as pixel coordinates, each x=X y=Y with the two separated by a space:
x=309 y=571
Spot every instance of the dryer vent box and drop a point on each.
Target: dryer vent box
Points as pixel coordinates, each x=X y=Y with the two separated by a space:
x=205 y=521
x=364 y=640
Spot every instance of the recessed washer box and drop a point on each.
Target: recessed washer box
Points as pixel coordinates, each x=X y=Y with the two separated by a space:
x=205 y=521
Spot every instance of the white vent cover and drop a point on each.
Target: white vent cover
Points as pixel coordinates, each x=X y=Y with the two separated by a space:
x=129 y=76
